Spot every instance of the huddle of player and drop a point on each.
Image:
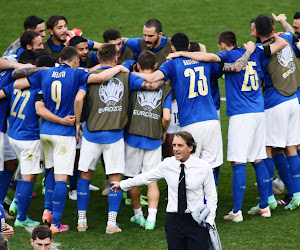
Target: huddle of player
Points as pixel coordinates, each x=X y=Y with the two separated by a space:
x=125 y=111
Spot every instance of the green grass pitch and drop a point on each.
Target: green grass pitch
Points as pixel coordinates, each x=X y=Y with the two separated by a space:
x=202 y=21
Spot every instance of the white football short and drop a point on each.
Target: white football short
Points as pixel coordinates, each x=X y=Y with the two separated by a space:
x=247 y=137
x=29 y=154
x=219 y=113
x=283 y=124
x=174 y=124
x=138 y=160
x=9 y=153
x=113 y=155
x=59 y=152
x=207 y=135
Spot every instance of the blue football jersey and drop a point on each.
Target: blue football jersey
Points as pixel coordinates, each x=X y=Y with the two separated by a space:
x=272 y=97
x=23 y=120
x=5 y=79
x=59 y=86
x=243 y=92
x=191 y=83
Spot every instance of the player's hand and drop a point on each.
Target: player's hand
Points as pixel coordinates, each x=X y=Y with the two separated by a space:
x=123 y=69
x=173 y=55
x=164 y=137
x=68 y=120
x=250 y=46
x=279 y=18
x=9 y=232
x=116 y=186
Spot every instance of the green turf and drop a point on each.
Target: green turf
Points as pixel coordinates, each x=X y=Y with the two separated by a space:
x=202 y=21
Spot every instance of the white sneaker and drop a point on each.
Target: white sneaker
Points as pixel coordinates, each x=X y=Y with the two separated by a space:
x=265 y=212
x=93 y=188
x=82 y=225
x=73 y=195
x=278 y=186
x=235 y=217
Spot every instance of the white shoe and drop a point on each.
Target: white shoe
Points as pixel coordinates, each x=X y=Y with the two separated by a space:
x=278 y=186
x=73 y=195
x=265 y=212
x=93 y=188
x=235 y=217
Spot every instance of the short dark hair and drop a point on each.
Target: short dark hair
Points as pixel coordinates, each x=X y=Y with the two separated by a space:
x=188 y=138
x=180 y=41
x=41 y=52
x=111 y=34
x=68 y=53
x=31 y=22
x=28 y=56
x=3 y=242
x=27 y=37
x=264 y=25
x=227 y=37
x=194 y=46
x=107 y=52
x=297 y=15
x=45 y=60
x=253 y=20
x=77 y=39
x=41 y=232
x=147 y=60
x=154 y=23
x=53 y=20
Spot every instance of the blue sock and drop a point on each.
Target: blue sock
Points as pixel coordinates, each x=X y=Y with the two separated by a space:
x=73 y=181
x=270 y=167
x=216 y=175
x=114 y=200
x=49 y=188
x=298 y=152
x=24 y=198
x=16 y=197
x=83 y=194
x=5 y=178
x=262 y=179
x=58 y=201
x=294 y=163
x=238 y=186
x=283 y=171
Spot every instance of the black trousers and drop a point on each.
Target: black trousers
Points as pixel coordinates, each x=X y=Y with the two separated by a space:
x=184 y=233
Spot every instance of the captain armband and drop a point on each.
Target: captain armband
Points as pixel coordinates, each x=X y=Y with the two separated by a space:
x=39 y=97
x=221 y=66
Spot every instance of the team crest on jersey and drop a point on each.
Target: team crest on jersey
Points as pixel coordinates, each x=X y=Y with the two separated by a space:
x=285 y=58
x=149 y=100
x=111 y=93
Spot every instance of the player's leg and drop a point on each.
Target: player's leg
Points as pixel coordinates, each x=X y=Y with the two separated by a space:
x=89 y=156
x=133 y=166
x=115 y=167
x=63 y=157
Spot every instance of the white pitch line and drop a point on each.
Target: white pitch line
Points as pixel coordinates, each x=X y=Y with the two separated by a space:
x=54 y=245
x=223 y=99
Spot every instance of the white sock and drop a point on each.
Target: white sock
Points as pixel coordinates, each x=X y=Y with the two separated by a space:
x=82 y=217
x=112 y=218
x=138 y=212
x=152 y=214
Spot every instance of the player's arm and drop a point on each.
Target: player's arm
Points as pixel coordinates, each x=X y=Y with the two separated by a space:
x=98 y=66
x=281 y=18
x=202 y=47
x=166 y=119
x=78 y=104
x=279 y=44
x=239 y=64
x=124 y=39
x=22 y=83
x=24 y=72
x=46 y=114
x=197 y=56
x=2 y=94
x=6 y=64
x=106 y=74
x=97 y=45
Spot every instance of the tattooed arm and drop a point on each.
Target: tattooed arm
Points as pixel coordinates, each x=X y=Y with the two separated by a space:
x=24 y=72
x=239 y=64
x=152 y=85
